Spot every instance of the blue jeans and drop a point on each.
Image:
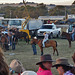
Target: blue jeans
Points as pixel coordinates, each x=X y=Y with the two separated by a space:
x=73 y=36
x=10 y=40
x=43 y=42
x=34 y=49
x=13 y=46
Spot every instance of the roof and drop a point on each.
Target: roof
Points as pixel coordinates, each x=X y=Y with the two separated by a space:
x=51 y=17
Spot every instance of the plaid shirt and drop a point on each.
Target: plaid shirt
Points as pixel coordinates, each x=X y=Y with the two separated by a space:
x=68 y=73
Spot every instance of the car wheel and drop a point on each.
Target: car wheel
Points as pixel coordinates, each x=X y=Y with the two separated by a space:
x=58 y=35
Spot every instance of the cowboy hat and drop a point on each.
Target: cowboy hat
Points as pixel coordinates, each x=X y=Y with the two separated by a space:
x=16 y=66
x=29 y=73
x=44 y=58
x=62 y=61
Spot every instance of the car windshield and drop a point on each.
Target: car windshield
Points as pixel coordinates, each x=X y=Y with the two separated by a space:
x=15 y=22
x=5 y=22
x=46 y=27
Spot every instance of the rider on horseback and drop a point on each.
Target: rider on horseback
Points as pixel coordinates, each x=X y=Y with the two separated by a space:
x=45 y=38
x=73 y=32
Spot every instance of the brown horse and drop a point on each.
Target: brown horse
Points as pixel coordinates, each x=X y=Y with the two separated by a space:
x=68 y=37
x=50 y=43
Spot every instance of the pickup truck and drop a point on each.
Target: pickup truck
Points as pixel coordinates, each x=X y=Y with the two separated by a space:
x=50 y=29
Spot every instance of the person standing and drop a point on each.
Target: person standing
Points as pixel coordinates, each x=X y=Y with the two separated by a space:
x=13 y=40
x=10 y=37
x=63 y=67
x=49 y=21
x=34 y=47
x=45 y=38
x=45 y=65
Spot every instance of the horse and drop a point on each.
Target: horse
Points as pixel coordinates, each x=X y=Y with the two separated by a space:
x=49 y=43
x=4 y=42
x=68 y=37
x=20 y=35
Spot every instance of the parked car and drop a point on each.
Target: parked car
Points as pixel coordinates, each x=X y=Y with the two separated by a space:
x=70 y=21
x=50 y=29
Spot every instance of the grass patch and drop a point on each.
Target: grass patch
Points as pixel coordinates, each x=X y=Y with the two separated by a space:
x=24 y=53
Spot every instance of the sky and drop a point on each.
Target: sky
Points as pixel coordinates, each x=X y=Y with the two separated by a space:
x=57 y=2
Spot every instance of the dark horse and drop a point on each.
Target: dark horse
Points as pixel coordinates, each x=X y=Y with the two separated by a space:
x=20 y=35
x=50 y=43
x=68 y=37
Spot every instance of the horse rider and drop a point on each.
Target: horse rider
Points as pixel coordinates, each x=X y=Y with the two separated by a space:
x=45 y=38
x=73 y=32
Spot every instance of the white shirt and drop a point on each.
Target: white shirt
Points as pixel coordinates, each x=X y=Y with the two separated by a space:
x=46 y=36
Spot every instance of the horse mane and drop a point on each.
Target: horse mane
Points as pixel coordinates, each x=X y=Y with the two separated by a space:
x=4 y=69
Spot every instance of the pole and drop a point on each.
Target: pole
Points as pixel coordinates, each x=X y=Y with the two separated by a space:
x=10 y=13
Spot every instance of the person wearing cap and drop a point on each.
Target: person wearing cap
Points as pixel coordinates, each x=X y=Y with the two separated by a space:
x=34 y=47
x=45 y=65
x=73 y=32
x=63 y=67
x=45 y=38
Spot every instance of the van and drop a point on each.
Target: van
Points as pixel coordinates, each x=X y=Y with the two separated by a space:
x=15 y=23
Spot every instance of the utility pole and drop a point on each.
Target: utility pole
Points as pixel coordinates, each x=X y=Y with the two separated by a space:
x=65 y=13
x=10 y=13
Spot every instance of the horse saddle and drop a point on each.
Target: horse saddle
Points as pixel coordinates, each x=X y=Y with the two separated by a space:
x=45 y=42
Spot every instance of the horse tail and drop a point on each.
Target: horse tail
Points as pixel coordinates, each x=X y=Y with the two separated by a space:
x=56 y=43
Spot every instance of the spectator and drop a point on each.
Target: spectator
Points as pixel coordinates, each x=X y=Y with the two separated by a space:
x=63 y=67
x=73 y=57
x=34 y=47
x=4 y=69
x=10 y=37
x=49 y=21
x=16 y=67
x=13 y=40
x=29 y=73
x=45 y=65
x=6 y=43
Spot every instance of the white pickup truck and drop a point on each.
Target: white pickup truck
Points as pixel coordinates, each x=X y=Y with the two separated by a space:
x=50 y=29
